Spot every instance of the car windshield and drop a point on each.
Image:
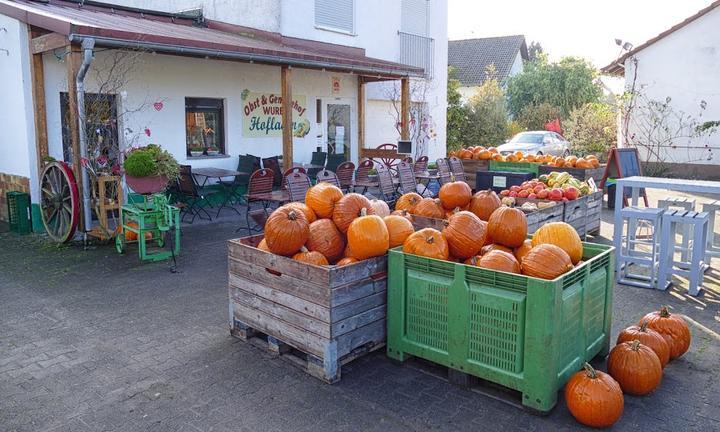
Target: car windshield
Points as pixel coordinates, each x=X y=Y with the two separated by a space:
x=527 y=138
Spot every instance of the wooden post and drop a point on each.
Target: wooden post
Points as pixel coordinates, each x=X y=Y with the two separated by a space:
x=37 y=73
x=361 y=115
x=72 y=64
x=287 y=132
x=405 y=108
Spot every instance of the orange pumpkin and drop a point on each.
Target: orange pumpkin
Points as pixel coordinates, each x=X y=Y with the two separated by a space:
x=348 y=208
x=484 y=203
x=635 y=367
x=368 y=237
x=326 y=238
x=309 y=213
x=429 y=207
x=594 y=398
x=346 y=261
x=286 y=230
x=522 y=250
x=403 y=213
x=673 y=328
x=455 y=194
x=546 y=261
x=465 y=154
x=559 y=162
x=473 y=260
x=408 y=202
x=500 y=261
x=399 y=228
x=263 y=246
x=570 y=161
x=508 y=226
x=583 y=163
x=427 y=242
x=648 y=337
x=484 y=155
x=310 y=257
x=563 y=235
x=465 y=234
x=494 y=246
x=322 y=197
x=380 y=207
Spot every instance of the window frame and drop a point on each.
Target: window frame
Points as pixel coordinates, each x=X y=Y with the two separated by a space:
x=343 y=31
x=197 y=106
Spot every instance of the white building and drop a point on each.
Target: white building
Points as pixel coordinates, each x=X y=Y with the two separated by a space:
x=682 y=65
x=211 y=77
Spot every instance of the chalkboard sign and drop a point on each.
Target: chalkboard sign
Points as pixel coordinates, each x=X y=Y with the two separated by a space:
x=623 y=162
x=404 y=147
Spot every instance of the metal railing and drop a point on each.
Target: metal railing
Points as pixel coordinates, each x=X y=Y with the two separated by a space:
x=418 y=51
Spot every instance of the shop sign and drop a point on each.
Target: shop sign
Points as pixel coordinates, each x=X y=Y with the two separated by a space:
x=262 y=115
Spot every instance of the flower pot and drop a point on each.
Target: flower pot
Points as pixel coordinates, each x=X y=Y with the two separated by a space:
x=146 y=185
x=213 y=152
x=195 y=153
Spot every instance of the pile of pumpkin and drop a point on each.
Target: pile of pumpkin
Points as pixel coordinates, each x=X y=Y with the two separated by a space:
x=334 y=228
x=635 y=367
x=492 y=153
x=480 y=231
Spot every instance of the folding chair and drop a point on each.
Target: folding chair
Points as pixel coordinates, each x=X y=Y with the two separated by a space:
x=191 y=196
x=273 y=164
x=345 y=175
x=334 y=161
x=407 y=159
x=387 y=187
x=259 y=190
x=362 y=178
x=407 y=178
x=421 y=164
x=298 y=184
x=327 y=176
x=456 y=168
x=238 y=185
x=444 y=172
x=289 y=171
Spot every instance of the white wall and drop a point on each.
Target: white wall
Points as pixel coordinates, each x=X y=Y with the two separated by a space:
x=685 y=66
x=17 y=145
x=517 y=66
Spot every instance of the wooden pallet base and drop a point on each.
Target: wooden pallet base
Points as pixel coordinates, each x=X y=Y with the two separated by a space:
x=326 y=370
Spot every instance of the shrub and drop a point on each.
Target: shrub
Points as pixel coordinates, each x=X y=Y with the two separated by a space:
x=151 y=160
x=592 y=129
x=140 y=164
x=534 y=117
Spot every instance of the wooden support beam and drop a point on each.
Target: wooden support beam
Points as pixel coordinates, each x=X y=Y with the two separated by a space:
x=405 y=108
x=287 y=133
x=47 y=42
x=73 y=59
x=37 y=74
x=361 y=114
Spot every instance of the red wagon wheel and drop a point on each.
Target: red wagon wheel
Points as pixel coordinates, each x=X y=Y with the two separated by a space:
x=388 y=162
x=59 y=201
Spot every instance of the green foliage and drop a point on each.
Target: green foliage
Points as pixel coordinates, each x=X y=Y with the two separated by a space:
x=567 y=84
x=486 y=114
x=456 y=113
x=534 y=117
x=151 y=160
x=513 y=128
x=592 y=129
x=140 y=164
x=534 y=50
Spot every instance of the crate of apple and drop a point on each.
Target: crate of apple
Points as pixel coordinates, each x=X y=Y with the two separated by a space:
x=535 y=189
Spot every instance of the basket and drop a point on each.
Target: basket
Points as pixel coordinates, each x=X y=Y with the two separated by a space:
x=19 y=214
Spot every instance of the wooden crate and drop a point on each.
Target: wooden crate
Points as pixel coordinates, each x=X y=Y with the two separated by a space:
x=542 y=216
x=575 y=213
x=471 y=167
x=579 y=173
x=329 y=315
x=420 y=222
x=593 y=213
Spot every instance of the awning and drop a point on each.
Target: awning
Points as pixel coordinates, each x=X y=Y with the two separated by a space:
x=180 y=34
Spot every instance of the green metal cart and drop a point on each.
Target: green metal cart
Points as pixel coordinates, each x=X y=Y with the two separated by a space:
x=150 y=220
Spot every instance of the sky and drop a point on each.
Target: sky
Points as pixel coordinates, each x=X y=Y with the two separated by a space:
x=570 y=27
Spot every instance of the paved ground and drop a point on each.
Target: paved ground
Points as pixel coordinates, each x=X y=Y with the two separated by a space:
x=94 y=341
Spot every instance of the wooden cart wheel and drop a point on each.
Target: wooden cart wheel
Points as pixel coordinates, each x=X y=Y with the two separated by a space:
x=390 y=163
x=59 y=201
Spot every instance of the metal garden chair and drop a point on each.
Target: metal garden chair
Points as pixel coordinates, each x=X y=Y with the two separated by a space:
x=289 y=171
x=259 y=191
x=444 y=172
x=193 y=199
x=407 y=178
x=387 y=186
x=327 y=176
x=273 y=164
x=456 y=168
x=421 y=164
x=298 y=184
x=345 y=175
x=362 y=178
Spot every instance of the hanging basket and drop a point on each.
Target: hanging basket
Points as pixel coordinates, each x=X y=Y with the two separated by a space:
x=147 y=185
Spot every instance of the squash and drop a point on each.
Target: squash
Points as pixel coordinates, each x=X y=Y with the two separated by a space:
x=673 y=328
x=309 y=213
x=594 y=398
x=465 y=154
x=563 y=235
x=132 y=236
x=310 y=257
x=635 y=367
x=484 y=203
x=408 y=202
x=465 y=234
x=648 y=337
x=522 y=250
x=399 y=228
x=431 y=208
x=263 y=245
x=348 y=208
x=380 y=208
x=346 y=261
x=427 y=242
x=326 y=238
x=473 y=261
x=368 y=236
x=500 y=261
x=455 y=194
x=322 y=197
x=286 y=230
x=546 y=261
x=403 y=213
x=583 y=163
x=508 y=226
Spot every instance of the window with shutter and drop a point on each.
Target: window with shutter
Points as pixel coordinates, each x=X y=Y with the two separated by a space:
x=414 y=17
x=335 y=15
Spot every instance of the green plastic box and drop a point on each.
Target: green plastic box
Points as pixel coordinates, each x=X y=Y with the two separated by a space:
x=524 y=333
x=19 y=215
x=521 y=167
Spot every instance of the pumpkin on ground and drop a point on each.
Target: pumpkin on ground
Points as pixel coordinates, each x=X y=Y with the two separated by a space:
x=286 y=231
x=348 y=208
x=508 y=226
x=500 y=261
x=594 y=398
x=635 y=367
x=380 y=207
x=132 y=236
x=546 y=261
x=404 y=213
x=399 y=228
x=309 y=213
x=522 y=250
x=346 y=261
x=427 y=242
x=368 y=237
x=431 y=208
x=465 y=234
x=322 y=197
x=263 y=245
x=648 y=337
x=484 y=203
x=563 y=235
x=672 y=327
x=310 y=257
x=455 y=194
x=325 y=238
x=408 y=202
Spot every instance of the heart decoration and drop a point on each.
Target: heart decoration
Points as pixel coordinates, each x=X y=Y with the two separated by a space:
x=158 y=106
x=147 y=131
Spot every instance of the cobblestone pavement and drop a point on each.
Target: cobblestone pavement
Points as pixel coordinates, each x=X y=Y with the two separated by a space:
x=95 y=341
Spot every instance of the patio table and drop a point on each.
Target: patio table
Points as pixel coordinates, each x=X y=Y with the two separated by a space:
x=219 y=173
x=425 y=178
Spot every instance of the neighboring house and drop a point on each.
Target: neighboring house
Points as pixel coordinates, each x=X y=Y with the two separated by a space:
x=471 y=59
x=683 y=64
x=201 y=72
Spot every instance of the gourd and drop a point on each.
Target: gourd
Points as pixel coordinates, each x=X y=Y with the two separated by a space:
x=673 y=328
x=431 y=208
x=286 y=231
x=648 y=337
x=522 y=250
x=348 y=208
x=326 y=238
x=563 y=235
x=399 y=228
x=484 y=203
x=508 y=226
x=465 y=234
x=368 y=236
x=635 y=367
x=546 y=261
x=263 y=246
x=500 y=261
x=455 y=194
x=408 y=202
x=380 y=207
x=322 y=197
x=310 y=257
x=594 y=398
x=346 y=261
x=403 y=213
x=427 y=242
x=307 y=211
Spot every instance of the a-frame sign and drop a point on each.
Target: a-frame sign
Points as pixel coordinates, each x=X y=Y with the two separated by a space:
x=623 y=162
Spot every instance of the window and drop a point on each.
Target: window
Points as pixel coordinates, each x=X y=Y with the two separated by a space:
x=204 y=126
x=335 y=15
x=414 y=17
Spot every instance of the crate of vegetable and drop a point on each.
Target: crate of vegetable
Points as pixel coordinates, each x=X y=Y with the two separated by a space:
x=539 y=212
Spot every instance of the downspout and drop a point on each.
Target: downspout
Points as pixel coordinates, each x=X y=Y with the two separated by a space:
x=87 y=46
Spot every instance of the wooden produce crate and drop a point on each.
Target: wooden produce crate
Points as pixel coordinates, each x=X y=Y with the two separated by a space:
x=593 y=213
x=579 y=173
x=542 y=216
x=584 y=213
x=471 y=167
x=420 y=222
x=317 y=317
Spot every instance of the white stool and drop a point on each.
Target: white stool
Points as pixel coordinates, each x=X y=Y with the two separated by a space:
x=629 y=255
x=712 y=249
x=694 y=267
x=683 y=203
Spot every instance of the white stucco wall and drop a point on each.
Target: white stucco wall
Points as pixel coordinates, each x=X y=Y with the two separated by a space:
x=517 y=66
x=685 y=66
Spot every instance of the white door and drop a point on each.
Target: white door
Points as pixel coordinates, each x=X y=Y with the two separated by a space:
x=340 y=127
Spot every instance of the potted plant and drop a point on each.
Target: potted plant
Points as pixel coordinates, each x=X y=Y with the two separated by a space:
x=372 y=174
x=196 y=150
x=149 y=169
x=213 y=150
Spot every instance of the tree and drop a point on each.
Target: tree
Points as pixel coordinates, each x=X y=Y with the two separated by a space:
x=567 y=84
x=535 y=117
x=422 y=125
x=534 y=50
x=456 y=112
x=592 y=129
x=486 y=110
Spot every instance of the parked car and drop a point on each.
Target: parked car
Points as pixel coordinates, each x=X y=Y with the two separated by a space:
x=538 y=143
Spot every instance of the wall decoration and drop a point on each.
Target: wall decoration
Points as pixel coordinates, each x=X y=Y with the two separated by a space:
x=335 y=85
x=158 y=106
x=262 y=116
x=147 y=131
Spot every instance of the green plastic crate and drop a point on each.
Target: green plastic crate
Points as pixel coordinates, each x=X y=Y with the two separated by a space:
x=521 y=167
x=524 y=333
x=19 y=214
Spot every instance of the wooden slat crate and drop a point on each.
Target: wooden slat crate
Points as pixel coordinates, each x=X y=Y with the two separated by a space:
x=579 y=173
x=542 y=216
x=594 y=208
x=420 y=222
x=471 y=167
x=574 y=214
x=329 y=315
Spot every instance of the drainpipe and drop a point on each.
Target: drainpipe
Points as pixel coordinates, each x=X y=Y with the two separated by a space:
x=87 y=46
